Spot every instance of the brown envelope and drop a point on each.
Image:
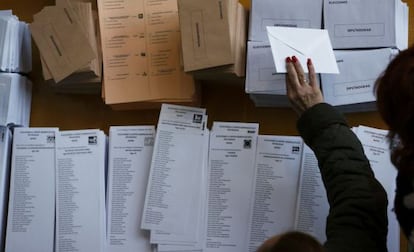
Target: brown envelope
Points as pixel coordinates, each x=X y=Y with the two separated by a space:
x=86 y=17
x=238 y=35
x=205 y=33
x=61 y=42
x=241 y=41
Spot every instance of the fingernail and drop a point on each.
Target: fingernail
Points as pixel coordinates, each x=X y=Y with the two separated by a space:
x=288 y=60
x=309 y=62
x=294 y=59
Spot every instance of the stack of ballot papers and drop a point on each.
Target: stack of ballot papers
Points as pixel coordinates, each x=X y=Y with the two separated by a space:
x=31 y=207
x=174 y=205
x=367 y=24
x=230 y=184
x=213 y=37
x=57 y=191
x=265 y=85
x=180 y=188
x=280 y=13
x=353 y=90
x=129 y=158
x=68 y=41
x=15 y=44
x=376 y=147
x=80 y=190
x=15 y=100
x=141 y=46
x=5 y=151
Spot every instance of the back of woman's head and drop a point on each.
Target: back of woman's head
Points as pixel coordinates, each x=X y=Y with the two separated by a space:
x=292 y=242
x=395 y=102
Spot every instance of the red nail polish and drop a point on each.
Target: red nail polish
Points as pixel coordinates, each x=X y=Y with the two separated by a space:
x=294 y=59
x=288 y=60
x=309 y=62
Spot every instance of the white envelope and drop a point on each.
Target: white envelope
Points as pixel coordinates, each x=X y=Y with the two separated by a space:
x=302 y=43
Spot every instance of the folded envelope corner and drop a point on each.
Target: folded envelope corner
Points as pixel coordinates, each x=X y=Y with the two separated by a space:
x=304 y=43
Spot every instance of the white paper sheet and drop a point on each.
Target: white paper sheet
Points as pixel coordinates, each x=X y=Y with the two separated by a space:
x=376 y=148
x=230 y=185
x=130 y=152
x=5 y=151
x=15 y=99
x=31 y=215
x=80 y=191
x=194 y=237
x=276 y=177
x=312 y=205
x=173 y=191
x=15 y=44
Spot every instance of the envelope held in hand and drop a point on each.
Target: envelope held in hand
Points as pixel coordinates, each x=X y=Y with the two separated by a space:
x=303 y=43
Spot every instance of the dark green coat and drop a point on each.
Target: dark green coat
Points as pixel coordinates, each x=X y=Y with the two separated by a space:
x=357 y=218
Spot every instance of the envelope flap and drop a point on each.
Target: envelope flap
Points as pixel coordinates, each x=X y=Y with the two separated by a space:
x=301 y=40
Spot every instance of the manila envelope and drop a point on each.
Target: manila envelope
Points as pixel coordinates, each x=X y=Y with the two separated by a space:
x=61 y=42
x=205 y=33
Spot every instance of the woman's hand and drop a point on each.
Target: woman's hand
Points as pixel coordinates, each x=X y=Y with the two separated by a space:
x=302 y=92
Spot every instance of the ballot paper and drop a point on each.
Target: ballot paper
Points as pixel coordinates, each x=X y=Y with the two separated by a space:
x=312 y=205
x=130 y=151
x=80 y=191
x=141 y=44
x=367 y=24
x=230 y=185
x=15 y=44
x=292 y=13
x=376 y=148
x=5 y=151
x=172 y=201
x=15 y=100
x=275 y=188
x=31 y=214
x=205 y=32
x=304 y=44
x=194 y=238
x=355 y=84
